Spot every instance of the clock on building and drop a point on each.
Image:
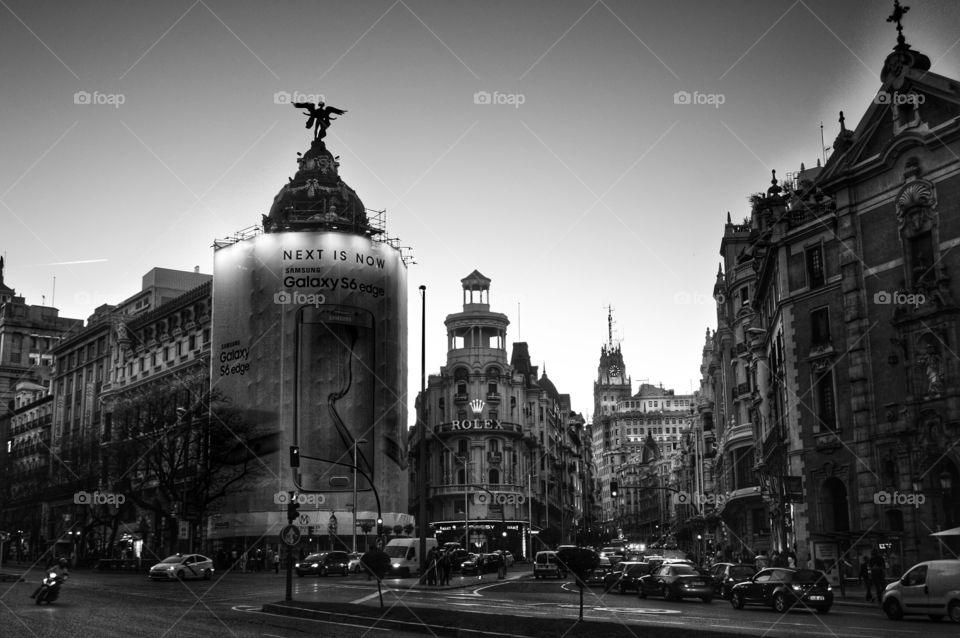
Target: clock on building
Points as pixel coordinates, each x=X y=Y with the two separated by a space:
x=614 y=370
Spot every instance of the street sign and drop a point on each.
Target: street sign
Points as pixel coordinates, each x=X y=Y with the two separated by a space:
x=184 y=529
x=290 y=535
x=304 y=519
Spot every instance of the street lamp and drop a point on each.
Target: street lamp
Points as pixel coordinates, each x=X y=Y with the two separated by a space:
x=466 y=503
x=355 y=445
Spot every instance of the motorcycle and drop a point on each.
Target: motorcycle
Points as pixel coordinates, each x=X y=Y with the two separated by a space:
x=49 y=588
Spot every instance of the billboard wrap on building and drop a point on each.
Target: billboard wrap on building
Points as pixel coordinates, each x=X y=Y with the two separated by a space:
x=309 y=339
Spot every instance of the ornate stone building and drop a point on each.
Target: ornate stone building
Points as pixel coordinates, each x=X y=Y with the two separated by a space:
x=505 y=451
x=834 y=362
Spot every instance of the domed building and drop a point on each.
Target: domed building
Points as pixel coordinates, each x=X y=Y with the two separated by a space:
x=505 y=456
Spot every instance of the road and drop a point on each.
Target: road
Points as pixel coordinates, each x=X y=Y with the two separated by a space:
x=108 y=604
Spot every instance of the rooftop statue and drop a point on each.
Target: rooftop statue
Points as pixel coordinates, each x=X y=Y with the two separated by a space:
x=318 y=117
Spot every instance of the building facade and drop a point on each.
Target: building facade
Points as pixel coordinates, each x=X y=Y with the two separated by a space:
x=505 y=464
x=831 y=376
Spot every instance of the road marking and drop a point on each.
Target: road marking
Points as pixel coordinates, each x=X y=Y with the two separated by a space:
x=364 y=599
x=327 y=622
x=634 y=610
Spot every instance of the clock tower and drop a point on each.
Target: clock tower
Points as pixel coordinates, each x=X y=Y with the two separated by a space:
x=612 y=382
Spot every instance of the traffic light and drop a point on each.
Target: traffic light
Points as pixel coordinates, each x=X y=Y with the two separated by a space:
x=294 y=456
x=379 y=527
x=293 y=508
x=614 y=488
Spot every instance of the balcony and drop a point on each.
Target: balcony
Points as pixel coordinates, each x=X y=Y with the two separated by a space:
x=461 y=398
x=493 y=397
x=494 y=457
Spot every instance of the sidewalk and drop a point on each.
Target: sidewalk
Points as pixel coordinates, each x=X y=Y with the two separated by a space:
x=854 y=593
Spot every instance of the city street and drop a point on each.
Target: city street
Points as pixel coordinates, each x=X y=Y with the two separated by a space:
x=98 y=604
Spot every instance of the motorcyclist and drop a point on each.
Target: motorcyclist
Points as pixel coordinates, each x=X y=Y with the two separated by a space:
x=60 y=574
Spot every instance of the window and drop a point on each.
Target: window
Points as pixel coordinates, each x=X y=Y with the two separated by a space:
x=815 y=272
x=192 y=342
x=820 y=327
x=825 y=400
x=745 y=296
x=494 y=477
x=922 y=259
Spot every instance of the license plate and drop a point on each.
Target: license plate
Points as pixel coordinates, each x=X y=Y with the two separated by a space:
x=816 y=597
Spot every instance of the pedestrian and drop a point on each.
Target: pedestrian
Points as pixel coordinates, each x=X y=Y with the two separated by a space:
x=864 y=578
x=276 y=562
x=878 y=574
x=791 y=560
x=445 y=568
x=243 y=561
x=432 y=567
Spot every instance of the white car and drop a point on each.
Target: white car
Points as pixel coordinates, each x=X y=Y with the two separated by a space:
x=182 y=567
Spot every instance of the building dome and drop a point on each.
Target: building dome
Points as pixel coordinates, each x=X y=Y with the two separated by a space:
x=547 y=386
x=316 y=198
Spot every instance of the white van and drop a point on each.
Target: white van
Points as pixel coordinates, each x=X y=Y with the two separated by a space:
x=404 y=558
x=931 y=588
x=546 y=564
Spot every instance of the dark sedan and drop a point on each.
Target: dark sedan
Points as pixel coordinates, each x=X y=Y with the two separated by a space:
x=674 y=581
x=783 y=588
x=482 y=564
x=323 y=563
x=625 y=576
x=726 y=575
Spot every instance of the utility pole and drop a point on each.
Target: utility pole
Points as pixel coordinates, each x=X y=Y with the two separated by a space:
x=422 y=429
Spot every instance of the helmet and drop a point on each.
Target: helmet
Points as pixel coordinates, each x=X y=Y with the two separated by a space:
x=63 y=562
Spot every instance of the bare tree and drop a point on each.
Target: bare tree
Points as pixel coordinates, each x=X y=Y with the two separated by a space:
x=174 y=448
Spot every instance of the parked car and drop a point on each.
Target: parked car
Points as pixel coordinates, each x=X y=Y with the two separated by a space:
x=323 y=563
x=546 y=564
x=726 y=575
x=625 y=575
x=782 y=588
x=353 y=566
x=182 y=567
x=675 y=580
x=481 y=564
x=458 y=557
x=931 y=588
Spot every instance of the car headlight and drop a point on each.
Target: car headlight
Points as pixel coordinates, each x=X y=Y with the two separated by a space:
x=315 y=565
x=396 y=565
x=170 y=568
x=297 y=565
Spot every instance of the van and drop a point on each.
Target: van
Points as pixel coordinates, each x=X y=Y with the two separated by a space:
x=404 y=558
x=546 y=564
x=931 y=588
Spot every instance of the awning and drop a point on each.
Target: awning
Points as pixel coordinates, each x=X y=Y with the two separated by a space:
x=948 y=532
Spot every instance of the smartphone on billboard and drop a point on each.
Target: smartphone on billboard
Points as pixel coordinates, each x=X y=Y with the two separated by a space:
x=335 y=396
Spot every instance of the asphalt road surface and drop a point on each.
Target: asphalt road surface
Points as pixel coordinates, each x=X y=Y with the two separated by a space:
x=129 y=605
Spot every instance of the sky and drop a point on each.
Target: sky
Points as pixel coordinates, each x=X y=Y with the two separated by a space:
x=580 y=154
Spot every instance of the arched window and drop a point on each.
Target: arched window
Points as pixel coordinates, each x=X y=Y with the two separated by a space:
x=834 y=510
